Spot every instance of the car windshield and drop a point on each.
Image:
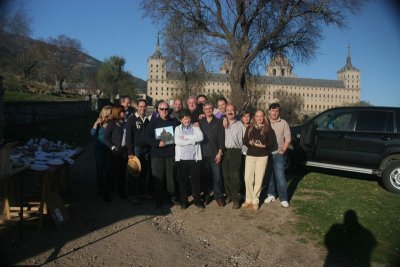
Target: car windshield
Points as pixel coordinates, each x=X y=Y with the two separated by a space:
x=336 y=120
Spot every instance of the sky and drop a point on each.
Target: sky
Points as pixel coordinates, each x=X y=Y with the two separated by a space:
x=116 y=27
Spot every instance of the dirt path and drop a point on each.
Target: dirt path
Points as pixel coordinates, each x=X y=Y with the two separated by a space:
x=120 y=234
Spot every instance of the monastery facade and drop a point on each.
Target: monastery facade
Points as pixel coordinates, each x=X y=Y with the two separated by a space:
x=318 y=94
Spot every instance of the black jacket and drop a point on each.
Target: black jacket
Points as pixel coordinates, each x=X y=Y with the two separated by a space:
x=150 y=137
x=135 y=129
x=214 y=137
x=114 y=133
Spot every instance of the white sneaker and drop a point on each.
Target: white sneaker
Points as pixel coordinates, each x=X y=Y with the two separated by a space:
x=285 y=204
x=269 y=199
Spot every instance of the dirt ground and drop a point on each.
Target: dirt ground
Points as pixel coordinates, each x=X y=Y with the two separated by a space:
x=121 y=234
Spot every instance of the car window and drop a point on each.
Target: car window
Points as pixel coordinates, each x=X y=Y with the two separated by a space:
x=336 y=120
x=375 y=121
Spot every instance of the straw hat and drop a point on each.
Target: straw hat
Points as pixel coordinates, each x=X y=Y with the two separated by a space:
x=134 y=167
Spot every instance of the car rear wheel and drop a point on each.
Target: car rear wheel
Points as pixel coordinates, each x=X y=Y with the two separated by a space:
x=391 y=177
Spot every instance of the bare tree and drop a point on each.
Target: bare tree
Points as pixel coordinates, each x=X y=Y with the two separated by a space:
x=62 y=57
x=291 y=105
x=184 y=50
x=245 y=30
x=361 y=103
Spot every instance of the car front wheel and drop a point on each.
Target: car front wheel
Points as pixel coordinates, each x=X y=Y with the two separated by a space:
x=391 y=177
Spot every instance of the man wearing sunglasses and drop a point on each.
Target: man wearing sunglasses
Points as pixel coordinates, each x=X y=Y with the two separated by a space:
x=160 y=135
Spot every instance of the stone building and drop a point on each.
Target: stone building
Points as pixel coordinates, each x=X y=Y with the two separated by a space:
x=318 y=94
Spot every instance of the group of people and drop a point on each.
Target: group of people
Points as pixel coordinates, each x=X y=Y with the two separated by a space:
x=202 y=151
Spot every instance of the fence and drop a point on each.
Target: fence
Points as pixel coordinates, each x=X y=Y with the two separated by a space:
x=30 y=112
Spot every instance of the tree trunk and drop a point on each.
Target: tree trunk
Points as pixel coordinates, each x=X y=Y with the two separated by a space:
x=237 y=81
x=58 y=87
x=1 y=110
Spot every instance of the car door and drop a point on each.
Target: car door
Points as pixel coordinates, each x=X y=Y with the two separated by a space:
x=373 y=135
x=332 y=127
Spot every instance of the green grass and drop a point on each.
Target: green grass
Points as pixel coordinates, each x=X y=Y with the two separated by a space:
x=321 y=200
x=73 y=130
x=21 y=96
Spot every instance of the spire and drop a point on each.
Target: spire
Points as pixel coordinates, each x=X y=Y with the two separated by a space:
x=226 y=66
x=158 y=41
x=348 y=62
x=348 y=65
x=157 y=54
x=202 y=67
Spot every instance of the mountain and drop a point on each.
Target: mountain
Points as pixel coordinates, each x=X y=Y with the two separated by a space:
x=28 y=59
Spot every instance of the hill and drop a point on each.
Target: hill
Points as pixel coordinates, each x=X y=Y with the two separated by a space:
x=31 y=65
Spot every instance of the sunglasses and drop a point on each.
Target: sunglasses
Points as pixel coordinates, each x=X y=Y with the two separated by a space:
x=162 y=109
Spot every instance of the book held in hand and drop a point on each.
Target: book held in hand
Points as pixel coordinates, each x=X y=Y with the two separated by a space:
x=165 y=134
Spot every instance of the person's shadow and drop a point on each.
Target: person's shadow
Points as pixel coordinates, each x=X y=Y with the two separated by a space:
x=349 y=244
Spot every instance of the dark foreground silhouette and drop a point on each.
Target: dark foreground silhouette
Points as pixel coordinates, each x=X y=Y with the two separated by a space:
x=349 y=244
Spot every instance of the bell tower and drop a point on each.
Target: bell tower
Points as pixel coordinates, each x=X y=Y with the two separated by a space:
x=350 y=75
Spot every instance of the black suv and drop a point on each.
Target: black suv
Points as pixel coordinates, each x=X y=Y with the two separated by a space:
x=355 y=139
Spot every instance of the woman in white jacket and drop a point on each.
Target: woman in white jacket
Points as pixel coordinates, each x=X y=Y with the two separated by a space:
x=188 y=158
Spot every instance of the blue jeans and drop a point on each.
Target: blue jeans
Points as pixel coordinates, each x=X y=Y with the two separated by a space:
x=213 y=170
x=278 y=174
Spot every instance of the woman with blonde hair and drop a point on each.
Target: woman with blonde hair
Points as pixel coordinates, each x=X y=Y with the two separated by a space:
x=100 y=150
x=115 y=140
x=257 y=139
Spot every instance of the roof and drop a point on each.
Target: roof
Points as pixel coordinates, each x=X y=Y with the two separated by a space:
x=293 y=81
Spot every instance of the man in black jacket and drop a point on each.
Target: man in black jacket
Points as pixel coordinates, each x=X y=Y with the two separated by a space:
x=211 y=149
x=137 y=146
x=160 y=136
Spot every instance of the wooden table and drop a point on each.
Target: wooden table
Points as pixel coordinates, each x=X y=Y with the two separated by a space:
x=51 y=180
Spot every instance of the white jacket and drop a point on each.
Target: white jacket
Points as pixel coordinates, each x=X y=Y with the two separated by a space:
x=194 y=139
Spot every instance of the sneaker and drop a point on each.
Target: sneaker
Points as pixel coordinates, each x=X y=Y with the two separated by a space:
x=269 y=199
x=246 y=205
x=285 y=204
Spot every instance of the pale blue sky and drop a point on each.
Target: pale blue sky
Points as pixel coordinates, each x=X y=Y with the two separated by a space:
x=106 y=28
